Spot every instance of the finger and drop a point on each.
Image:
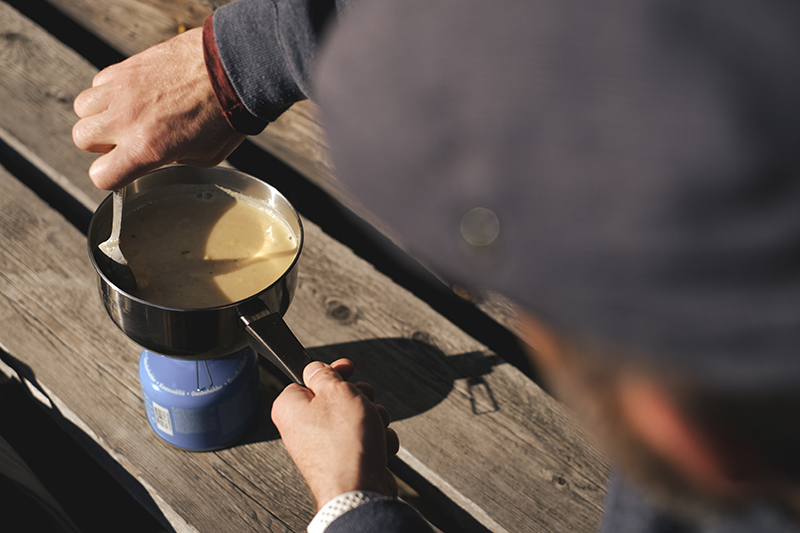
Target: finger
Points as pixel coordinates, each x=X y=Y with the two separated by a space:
x=316 y=374
x=214 y=158
x=384 y=412
x=92 y=101
x=392 y=443
x=344 y=367
x=104 y=76
x=367 y=390
x=295 y=392
x=290 y=399
x=91 y=134
x=119 y=167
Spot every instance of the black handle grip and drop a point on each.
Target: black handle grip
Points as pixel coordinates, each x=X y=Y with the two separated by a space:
x=272 y=338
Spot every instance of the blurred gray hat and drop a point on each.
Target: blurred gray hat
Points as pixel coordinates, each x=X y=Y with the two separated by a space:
x=628 y=171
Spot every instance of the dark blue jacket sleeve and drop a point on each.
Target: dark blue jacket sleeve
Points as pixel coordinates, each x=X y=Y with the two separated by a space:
x=380 y=516
x=269 y=48
x=630 y=510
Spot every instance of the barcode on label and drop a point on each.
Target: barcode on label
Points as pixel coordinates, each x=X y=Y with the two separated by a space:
x=163 y=420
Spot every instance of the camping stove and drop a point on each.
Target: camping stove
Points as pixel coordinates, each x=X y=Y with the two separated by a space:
x=200 y=405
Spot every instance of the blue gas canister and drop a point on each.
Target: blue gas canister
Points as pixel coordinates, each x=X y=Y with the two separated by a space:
x=200 y=405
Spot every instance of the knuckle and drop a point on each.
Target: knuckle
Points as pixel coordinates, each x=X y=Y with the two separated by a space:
x=102 y=76
x=98 y=178
x=80 y=135
x=102 y=173
x=78 y=104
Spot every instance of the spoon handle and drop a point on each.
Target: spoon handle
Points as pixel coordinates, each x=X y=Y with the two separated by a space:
x=116 y=214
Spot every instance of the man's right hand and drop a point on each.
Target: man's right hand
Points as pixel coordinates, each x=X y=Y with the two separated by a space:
x=155 y=108
x=335 y=432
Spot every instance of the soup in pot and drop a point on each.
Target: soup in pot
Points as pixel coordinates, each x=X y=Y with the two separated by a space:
x=205 y=248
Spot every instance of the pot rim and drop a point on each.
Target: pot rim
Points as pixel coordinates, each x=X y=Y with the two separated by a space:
x=220 y=170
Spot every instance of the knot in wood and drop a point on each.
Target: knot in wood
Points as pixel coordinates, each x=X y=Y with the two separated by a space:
x=341 y=312
x=12 y=36
x=421 y=336
x=560 y=482
x=59 y=96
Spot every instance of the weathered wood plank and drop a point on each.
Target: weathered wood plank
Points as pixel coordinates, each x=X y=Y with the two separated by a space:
x=87 y=369
x=40 y=80
x=455 y=410
x=457 y=405
x=490 y=432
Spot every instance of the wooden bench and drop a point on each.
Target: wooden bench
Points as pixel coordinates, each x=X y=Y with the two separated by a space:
x=480 y=441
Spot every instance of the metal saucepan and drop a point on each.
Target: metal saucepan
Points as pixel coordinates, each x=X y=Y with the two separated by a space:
x=212 y=332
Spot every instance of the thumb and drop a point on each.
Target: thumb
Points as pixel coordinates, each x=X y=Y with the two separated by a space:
x=295 y=398
x=292 y=400
x=317 y=374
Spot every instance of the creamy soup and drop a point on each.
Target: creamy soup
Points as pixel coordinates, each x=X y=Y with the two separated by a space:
x=205 y=248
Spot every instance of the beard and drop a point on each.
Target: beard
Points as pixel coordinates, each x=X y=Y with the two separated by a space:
x=591 y=395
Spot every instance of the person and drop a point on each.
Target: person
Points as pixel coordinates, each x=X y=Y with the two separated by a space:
x=627 y=173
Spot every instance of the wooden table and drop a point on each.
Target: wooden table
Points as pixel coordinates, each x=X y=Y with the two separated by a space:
x=481 y=442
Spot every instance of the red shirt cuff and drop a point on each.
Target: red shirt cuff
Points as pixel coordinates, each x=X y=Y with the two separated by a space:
x=233 y=109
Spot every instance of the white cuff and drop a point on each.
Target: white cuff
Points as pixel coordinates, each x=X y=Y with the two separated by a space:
x=340 y=505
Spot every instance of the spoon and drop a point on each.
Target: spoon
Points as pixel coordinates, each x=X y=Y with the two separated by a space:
x=114 y=263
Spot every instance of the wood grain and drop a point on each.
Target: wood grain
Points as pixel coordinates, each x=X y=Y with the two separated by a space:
x=477 y=428
x=87 y=369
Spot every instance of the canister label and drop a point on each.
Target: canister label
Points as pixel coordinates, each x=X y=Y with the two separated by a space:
x=200 y=405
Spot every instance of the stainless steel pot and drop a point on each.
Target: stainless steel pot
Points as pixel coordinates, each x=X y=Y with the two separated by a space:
x=211 y=332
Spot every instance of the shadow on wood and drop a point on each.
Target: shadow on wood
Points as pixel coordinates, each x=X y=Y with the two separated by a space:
x=92 y=496
x=414 y=376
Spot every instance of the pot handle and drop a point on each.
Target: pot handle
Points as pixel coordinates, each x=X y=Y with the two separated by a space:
x=270 y=337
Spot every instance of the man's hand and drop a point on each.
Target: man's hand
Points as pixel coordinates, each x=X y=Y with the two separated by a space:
x=155 y=108
x=335 y=432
